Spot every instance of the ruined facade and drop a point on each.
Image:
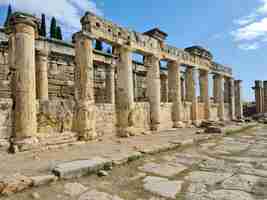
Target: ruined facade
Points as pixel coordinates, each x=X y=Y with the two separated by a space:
x=54 y=92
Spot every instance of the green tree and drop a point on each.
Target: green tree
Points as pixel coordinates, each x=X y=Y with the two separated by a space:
x=59 y=33
x=53 y=28
x=43 y=26
x=9 y=13
x=99 y=45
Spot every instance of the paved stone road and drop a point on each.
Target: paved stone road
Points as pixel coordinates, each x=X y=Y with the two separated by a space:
x=232 y=168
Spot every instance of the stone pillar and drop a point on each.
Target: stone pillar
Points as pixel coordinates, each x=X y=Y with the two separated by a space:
x=227 y=90
x=204 y=91
x=189 y=84
x=110 y=84
x=84 y=87
x=219 y=95
x=164 y=88
x=259 y=96
x=238 y=99
x=265 y=96
x=42 y=75
x=182 y=88
x=24 y=30
x=174 y=79
x=232 y=98
x=195 y=117
x=124 y=91
x=153 y=90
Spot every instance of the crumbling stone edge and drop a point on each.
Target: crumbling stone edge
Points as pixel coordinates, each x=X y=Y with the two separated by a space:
x=75 y=169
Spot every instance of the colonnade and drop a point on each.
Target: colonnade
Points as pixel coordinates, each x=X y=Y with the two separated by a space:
x=121 y=94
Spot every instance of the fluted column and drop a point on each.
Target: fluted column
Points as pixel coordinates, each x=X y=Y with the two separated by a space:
x=182 y=88
x=153 y=89
x=110 y=84
x=238 y=99
x=124 y=90
x=219 y=95
x=174 y=77
x=24 y=30
x=204 y=91
x=84 y=87
x=42 y=75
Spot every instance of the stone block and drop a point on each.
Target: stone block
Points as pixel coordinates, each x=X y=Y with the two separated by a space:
x=78 y=168
x=43 y=180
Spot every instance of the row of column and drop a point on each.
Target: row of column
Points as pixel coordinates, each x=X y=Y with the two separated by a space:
x=26 y=72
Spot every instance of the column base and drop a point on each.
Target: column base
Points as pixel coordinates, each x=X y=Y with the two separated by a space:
x=154 y=127
x=87 y=136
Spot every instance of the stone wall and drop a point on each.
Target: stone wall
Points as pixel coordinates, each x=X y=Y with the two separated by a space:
x=166 y=116
x=105 y=119
x=187 y=111
x=214 y=111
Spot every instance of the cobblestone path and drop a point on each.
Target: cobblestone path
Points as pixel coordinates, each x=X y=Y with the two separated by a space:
x=231 y=168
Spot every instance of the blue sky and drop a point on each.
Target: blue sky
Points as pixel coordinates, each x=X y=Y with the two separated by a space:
x=235 y=31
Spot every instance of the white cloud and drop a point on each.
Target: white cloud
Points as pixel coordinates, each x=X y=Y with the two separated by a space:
x=252 y=28
x=67 y=12
x=247 y=47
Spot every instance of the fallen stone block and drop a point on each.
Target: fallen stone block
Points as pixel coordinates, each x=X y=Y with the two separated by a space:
x=213 y=129
x=43 y=180
x=78 y=168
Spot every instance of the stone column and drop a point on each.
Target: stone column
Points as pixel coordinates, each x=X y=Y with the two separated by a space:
x=24 y=30
x=194 y=97
x=110 y=84
x=189 y=84
x=124 y=91
x=84 y=87
x=174 y=79
x=164 y=88
x=258 y=96
x=204 y=91
x=219 y=94
x=42 y=75
x=182 y=88
x=238 y=99
x=227 y=90
x=232 y=98
x=153 y=90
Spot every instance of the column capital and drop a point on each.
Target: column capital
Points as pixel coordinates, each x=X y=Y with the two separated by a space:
x=23 y=18
x=82 y=35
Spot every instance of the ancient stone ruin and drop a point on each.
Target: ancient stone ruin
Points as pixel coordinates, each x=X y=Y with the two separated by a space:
x=54 y=92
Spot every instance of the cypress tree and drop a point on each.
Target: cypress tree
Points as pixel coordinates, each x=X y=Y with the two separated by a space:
x=98 y=45
x=9 y=12
x=43 y=26
x=59 y=33
x=53 y=28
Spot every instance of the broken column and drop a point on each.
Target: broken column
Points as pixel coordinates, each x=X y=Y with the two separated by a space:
x=238 y=99
x=124 y=91
x=174 y=79
x=259 y=96
x=42 y=75
x=204 y=91
x=153 y=89
x=84 y=87
x=24 y=29
x=219 y=95
x=110 y=84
